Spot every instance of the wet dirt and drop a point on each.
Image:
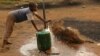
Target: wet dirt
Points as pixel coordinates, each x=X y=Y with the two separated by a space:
x=24 y=32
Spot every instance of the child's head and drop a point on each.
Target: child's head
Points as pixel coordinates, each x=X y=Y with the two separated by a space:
x=32 y=6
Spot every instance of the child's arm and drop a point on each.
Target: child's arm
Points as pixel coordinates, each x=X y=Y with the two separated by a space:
x=30 y=17
x=34 y=25
x=45 y=21
x=36 y=14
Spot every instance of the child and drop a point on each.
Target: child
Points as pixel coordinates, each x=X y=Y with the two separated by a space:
x=17 y=16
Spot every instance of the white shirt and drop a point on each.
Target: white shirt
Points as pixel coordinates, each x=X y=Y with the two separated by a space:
x=30 y=16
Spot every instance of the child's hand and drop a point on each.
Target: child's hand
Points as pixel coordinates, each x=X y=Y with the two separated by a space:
x=47 y=21
x=39 y=30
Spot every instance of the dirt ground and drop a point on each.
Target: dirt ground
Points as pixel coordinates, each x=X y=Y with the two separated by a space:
x=24 y=31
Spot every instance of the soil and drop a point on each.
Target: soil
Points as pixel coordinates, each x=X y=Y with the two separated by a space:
x=23 y=32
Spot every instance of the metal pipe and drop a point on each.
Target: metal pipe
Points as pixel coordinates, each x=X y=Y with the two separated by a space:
x=44 y=14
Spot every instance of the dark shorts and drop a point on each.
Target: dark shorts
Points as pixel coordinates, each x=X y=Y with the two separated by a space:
x=17 y=19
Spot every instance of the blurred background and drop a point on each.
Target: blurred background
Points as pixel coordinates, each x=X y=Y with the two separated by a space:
x=12 y=3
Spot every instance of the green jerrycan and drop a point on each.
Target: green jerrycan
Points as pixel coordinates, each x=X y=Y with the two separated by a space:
x=43 y=40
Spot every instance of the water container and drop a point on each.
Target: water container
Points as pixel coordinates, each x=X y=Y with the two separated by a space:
x=43 y=40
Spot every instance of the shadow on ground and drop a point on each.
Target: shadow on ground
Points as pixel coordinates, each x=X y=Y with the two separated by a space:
x=88 y=28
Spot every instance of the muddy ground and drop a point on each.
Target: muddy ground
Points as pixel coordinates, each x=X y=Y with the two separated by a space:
x=85 y=17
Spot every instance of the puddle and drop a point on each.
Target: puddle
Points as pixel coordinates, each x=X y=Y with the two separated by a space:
x=25 y=49
x=31 y=49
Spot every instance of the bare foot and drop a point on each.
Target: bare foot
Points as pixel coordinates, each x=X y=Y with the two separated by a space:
x=5 y=42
